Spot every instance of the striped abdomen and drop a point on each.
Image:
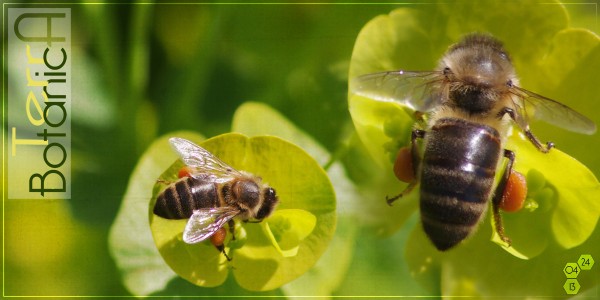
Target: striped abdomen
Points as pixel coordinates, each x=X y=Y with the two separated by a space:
x=180 y=199
x=458 y=168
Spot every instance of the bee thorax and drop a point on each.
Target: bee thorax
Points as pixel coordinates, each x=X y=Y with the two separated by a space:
x=247 y=194
x=474 y=100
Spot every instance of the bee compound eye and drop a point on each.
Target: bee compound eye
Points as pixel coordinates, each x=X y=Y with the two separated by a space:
x=268 y=205
x=509 y=83
x=447 y=71
x=271 y=195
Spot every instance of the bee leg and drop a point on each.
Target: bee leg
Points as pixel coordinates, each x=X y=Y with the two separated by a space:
x=218 y=239
x=499 y=193
x=231 y=224
x=416 y=162
x=221 y=249
x=163 y=181
x=532 y=138
x=407 y=190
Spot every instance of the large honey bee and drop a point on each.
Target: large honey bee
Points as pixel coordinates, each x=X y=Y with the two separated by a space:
x=211 y=193
x=466 y=107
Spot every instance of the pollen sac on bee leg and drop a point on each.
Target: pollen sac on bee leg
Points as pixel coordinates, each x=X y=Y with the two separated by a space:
x=514 y=193
x=184 y=172
x=218 y=240
x=403 y=166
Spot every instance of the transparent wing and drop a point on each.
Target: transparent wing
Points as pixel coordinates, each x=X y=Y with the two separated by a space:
x=203 y=163
x=532 y=105
x=414 y=89
x=205 y=222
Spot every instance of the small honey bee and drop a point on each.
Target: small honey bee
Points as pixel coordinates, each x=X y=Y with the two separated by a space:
x=466 y=106
x=211 y=193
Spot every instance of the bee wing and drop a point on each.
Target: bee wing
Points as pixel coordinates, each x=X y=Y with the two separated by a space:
x=205 y=222
x=203 y=163
x=410 y=88
x=539 y=107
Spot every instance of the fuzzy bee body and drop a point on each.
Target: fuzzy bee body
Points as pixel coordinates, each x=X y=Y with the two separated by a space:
x=180 y=199
x=465 y=108
x=455 y=188
x=210 y=194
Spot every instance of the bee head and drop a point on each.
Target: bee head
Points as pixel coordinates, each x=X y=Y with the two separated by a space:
x=270 y=200
x=479 y=61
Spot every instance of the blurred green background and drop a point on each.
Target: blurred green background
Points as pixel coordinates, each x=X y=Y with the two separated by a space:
x=140 y=71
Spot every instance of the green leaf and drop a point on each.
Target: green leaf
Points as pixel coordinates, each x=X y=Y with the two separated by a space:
x=303 y=190
x=287 y=228
x=479 y=268
x=370 y=119
x=567 y=73
x=130 y=240
x=331 y=269
x=571 y=204
x=253 y=119
x=424 y=261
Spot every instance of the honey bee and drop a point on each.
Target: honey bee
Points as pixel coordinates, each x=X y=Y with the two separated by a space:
x=466 y=107
x=211 y=193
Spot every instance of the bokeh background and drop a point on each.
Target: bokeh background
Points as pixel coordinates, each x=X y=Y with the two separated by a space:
x=142 y=70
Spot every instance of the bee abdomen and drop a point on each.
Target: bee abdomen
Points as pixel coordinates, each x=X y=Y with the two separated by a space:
x=448 y=220
x=457 y=176
x=180 y=199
